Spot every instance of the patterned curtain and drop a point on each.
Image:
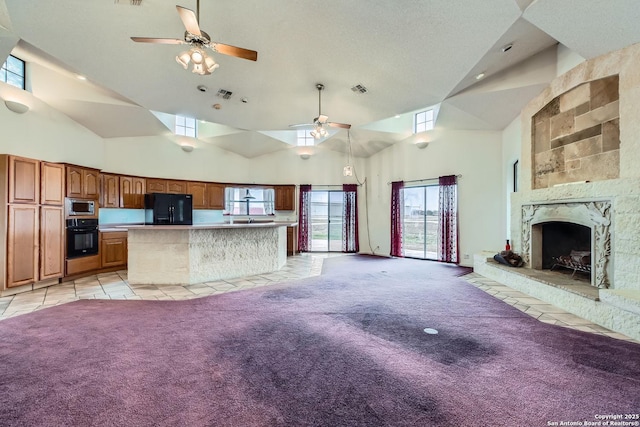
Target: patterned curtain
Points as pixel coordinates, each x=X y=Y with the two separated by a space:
x=304 y=219
x=448 y=224
x=350 y=218
x=397 y=205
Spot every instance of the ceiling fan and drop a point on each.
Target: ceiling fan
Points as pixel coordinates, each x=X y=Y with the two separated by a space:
x=321 y=120
x=199 y=42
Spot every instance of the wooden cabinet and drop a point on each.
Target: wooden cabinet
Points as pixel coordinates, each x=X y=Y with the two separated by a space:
x=22 y=245
x=113 y=249
x=177 y=187
x=216 y=196
x=206 y=195
x=51 y=184
x=157 y=185
x=292 y=240
x=83 y=183
x=24 y=180
x=132 y=190
x=200 y=195
x=109 y=190
x=34 y=221
x=51 y=242
x=285 y=197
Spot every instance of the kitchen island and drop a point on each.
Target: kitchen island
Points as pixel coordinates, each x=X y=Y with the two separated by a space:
x=188 y=254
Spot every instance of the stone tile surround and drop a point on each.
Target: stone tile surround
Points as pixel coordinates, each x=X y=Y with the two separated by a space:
x=576 y=136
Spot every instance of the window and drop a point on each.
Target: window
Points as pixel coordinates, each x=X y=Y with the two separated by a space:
x=516 y=175
x=423 y=121
x=249 y=201
x=12 y=72
x=185 y=126
x=420 y=222
x=304 y=137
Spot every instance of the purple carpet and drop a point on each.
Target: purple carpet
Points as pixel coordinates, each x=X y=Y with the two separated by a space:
x=347 y=348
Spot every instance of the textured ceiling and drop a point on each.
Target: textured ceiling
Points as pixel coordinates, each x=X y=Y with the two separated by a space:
x=422 y=54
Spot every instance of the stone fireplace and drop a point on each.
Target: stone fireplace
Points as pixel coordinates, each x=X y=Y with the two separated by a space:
x=553 y=230
x=579 y=189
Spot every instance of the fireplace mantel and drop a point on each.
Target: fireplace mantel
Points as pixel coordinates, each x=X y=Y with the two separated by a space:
x=593 y=214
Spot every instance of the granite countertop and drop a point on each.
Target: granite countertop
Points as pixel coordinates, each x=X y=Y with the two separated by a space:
x=218 y=225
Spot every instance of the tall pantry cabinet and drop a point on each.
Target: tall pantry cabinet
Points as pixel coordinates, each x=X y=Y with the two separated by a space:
x=31 y=221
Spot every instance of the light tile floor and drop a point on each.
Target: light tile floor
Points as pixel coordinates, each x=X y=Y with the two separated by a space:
x=114 y=286
x=538 y=309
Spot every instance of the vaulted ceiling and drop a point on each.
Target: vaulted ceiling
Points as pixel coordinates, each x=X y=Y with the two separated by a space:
x=410 y=55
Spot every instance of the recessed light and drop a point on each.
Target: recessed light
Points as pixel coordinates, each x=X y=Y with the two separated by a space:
x=81 y=77
x=397 y=116
x=480 y=76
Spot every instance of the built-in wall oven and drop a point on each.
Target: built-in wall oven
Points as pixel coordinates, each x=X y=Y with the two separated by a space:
x=82 y=237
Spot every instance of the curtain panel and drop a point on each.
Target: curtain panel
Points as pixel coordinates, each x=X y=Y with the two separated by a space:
x=304 y=219
x=397 y=205
x=350 y=218
x=448 y=223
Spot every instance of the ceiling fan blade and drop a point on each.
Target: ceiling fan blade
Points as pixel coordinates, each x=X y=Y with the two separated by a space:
x=189 y=20
x=238 y=52
x=156 y=40
x=339 y=125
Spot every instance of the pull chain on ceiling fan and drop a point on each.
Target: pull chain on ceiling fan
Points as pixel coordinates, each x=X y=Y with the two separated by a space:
x=199 y=42
x=318 y=123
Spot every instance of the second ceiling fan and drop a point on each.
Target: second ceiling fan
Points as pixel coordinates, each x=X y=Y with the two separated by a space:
x=319 y=122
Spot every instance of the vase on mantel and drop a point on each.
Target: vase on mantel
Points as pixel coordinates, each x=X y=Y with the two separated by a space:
x=507 y=247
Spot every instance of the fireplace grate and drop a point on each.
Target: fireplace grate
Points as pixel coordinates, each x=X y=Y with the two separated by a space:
x=576 y=261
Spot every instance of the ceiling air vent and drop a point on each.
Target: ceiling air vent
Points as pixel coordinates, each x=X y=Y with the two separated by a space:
x=224 y=94
x=359 y=89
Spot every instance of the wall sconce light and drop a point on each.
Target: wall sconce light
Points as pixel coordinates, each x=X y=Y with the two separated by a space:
x=305 y=156
x=422 y=144
x=16 y=107
x=187 y=148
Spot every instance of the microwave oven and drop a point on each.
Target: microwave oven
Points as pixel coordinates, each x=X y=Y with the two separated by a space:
x=80 y=207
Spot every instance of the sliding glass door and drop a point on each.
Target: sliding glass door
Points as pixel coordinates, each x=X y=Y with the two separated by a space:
x=420 y=222
x=327 y=212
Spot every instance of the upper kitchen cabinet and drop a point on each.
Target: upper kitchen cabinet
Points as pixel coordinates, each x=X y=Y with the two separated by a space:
x=285 y=197
x=132 y=190
x=157 y=185
x=206 y=195
x=200 y=196
x=24 y=180
x=215 y=194
x=109 y=190
x=83 y=183
x=52 y=184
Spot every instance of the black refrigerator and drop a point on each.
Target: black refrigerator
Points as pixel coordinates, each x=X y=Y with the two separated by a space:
x=164 y=209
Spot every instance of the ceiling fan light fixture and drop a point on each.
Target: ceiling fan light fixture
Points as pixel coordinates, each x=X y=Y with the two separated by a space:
x=210 y=64
x=183 y=59
x=197 y=55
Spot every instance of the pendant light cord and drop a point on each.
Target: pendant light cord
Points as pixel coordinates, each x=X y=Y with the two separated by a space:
x=362 y=183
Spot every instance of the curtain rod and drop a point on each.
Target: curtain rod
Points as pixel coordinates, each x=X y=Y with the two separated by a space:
x=333 y=185
x=424 y=179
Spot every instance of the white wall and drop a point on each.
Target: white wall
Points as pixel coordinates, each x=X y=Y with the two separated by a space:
x=511 y=146
x=473 y=154
x=44 y=133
